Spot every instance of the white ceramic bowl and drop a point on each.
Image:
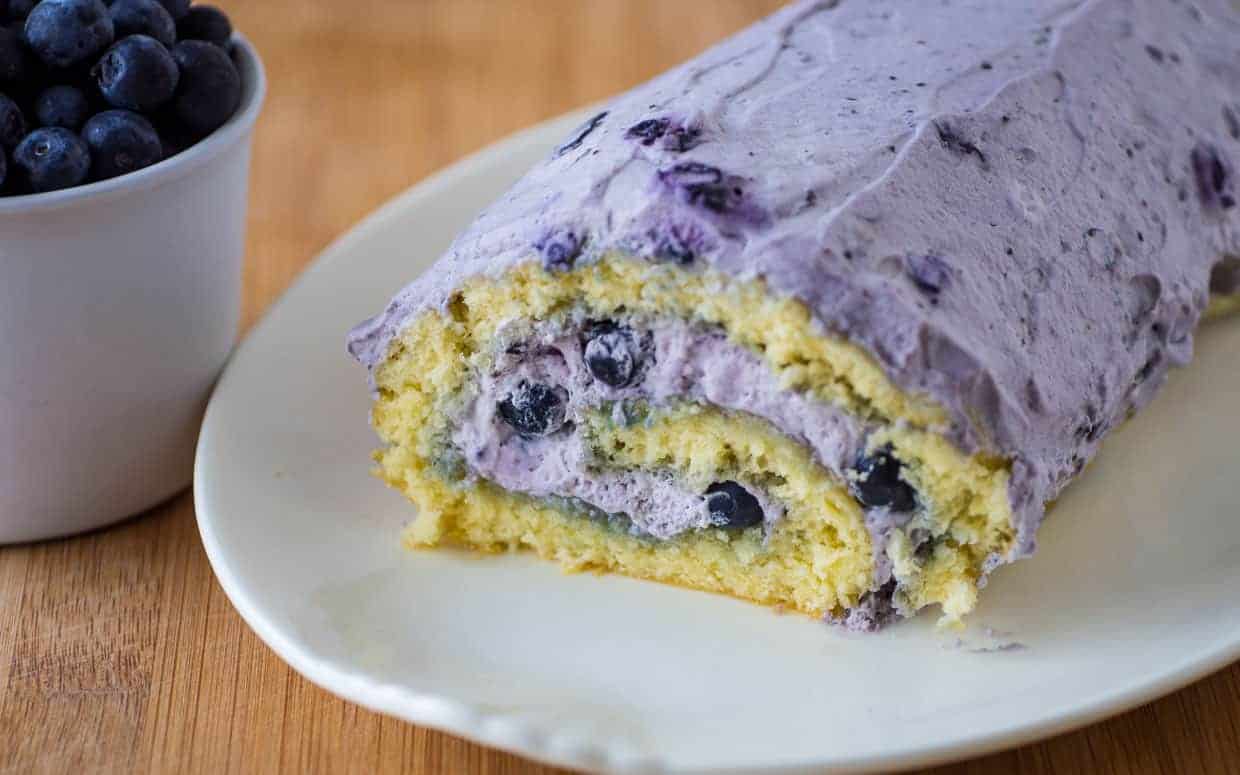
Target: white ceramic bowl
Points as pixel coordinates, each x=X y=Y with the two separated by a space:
x=119 y=304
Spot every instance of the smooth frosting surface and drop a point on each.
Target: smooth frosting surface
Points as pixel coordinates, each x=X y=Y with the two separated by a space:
x=1016 y=208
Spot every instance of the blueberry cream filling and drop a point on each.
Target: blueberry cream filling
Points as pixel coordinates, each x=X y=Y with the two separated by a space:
x=827 y=317
x=525 y=428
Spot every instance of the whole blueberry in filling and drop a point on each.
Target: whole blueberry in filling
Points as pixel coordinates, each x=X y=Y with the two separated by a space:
x=612 y=354
x=879 y=482
x=732 y=506
x=534 y=409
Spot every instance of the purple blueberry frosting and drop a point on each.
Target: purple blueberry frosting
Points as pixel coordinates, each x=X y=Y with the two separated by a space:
x=1019 y=209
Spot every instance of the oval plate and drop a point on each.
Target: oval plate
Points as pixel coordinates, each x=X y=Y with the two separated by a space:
x=1131 y=595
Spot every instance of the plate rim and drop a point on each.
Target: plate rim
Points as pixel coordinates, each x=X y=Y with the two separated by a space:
x=506 y=732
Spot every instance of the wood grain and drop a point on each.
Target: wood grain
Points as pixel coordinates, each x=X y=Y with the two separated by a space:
x=118 y=650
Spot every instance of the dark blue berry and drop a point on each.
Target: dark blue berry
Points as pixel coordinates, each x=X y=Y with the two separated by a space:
x=612 y=354
x=12 y=123
x=120 y=142
x=143 y=17
x=210 y=88
x=175 y=8
x=534 y=409
x=52 y=158
x=64 y=33
x=14 y=60
x=63 y=106
x=732 y=506
x=137 y=73
x=205 y=22
x=879 y=483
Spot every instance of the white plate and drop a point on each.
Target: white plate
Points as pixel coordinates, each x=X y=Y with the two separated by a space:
x=1132 y=594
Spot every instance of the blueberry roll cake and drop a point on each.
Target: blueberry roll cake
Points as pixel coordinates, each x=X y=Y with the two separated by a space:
x=826 y=317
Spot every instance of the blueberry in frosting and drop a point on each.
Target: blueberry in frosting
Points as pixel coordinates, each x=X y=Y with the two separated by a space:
x=612 y=354
x=534 y=409
x=879 y=482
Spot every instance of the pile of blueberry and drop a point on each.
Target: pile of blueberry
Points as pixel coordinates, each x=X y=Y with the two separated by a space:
x=91 y=90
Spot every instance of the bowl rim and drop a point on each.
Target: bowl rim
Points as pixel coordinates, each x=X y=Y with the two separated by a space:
x=253 y=95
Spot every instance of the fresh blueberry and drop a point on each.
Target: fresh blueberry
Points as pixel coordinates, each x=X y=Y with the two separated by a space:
x=534 y=409
x=52 y=158
x=879 y=482
x=205 y=22
x=120 y=142
x=143 y=17
x=64 y=33
x=137 y=73
x=732 y=506
x=63 y=106
x=14 y=61
x=12 y=123
x=612 y=354
x=210 y=88
x=176 y=8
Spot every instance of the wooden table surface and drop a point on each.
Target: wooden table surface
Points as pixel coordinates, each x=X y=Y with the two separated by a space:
x=118 y=650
